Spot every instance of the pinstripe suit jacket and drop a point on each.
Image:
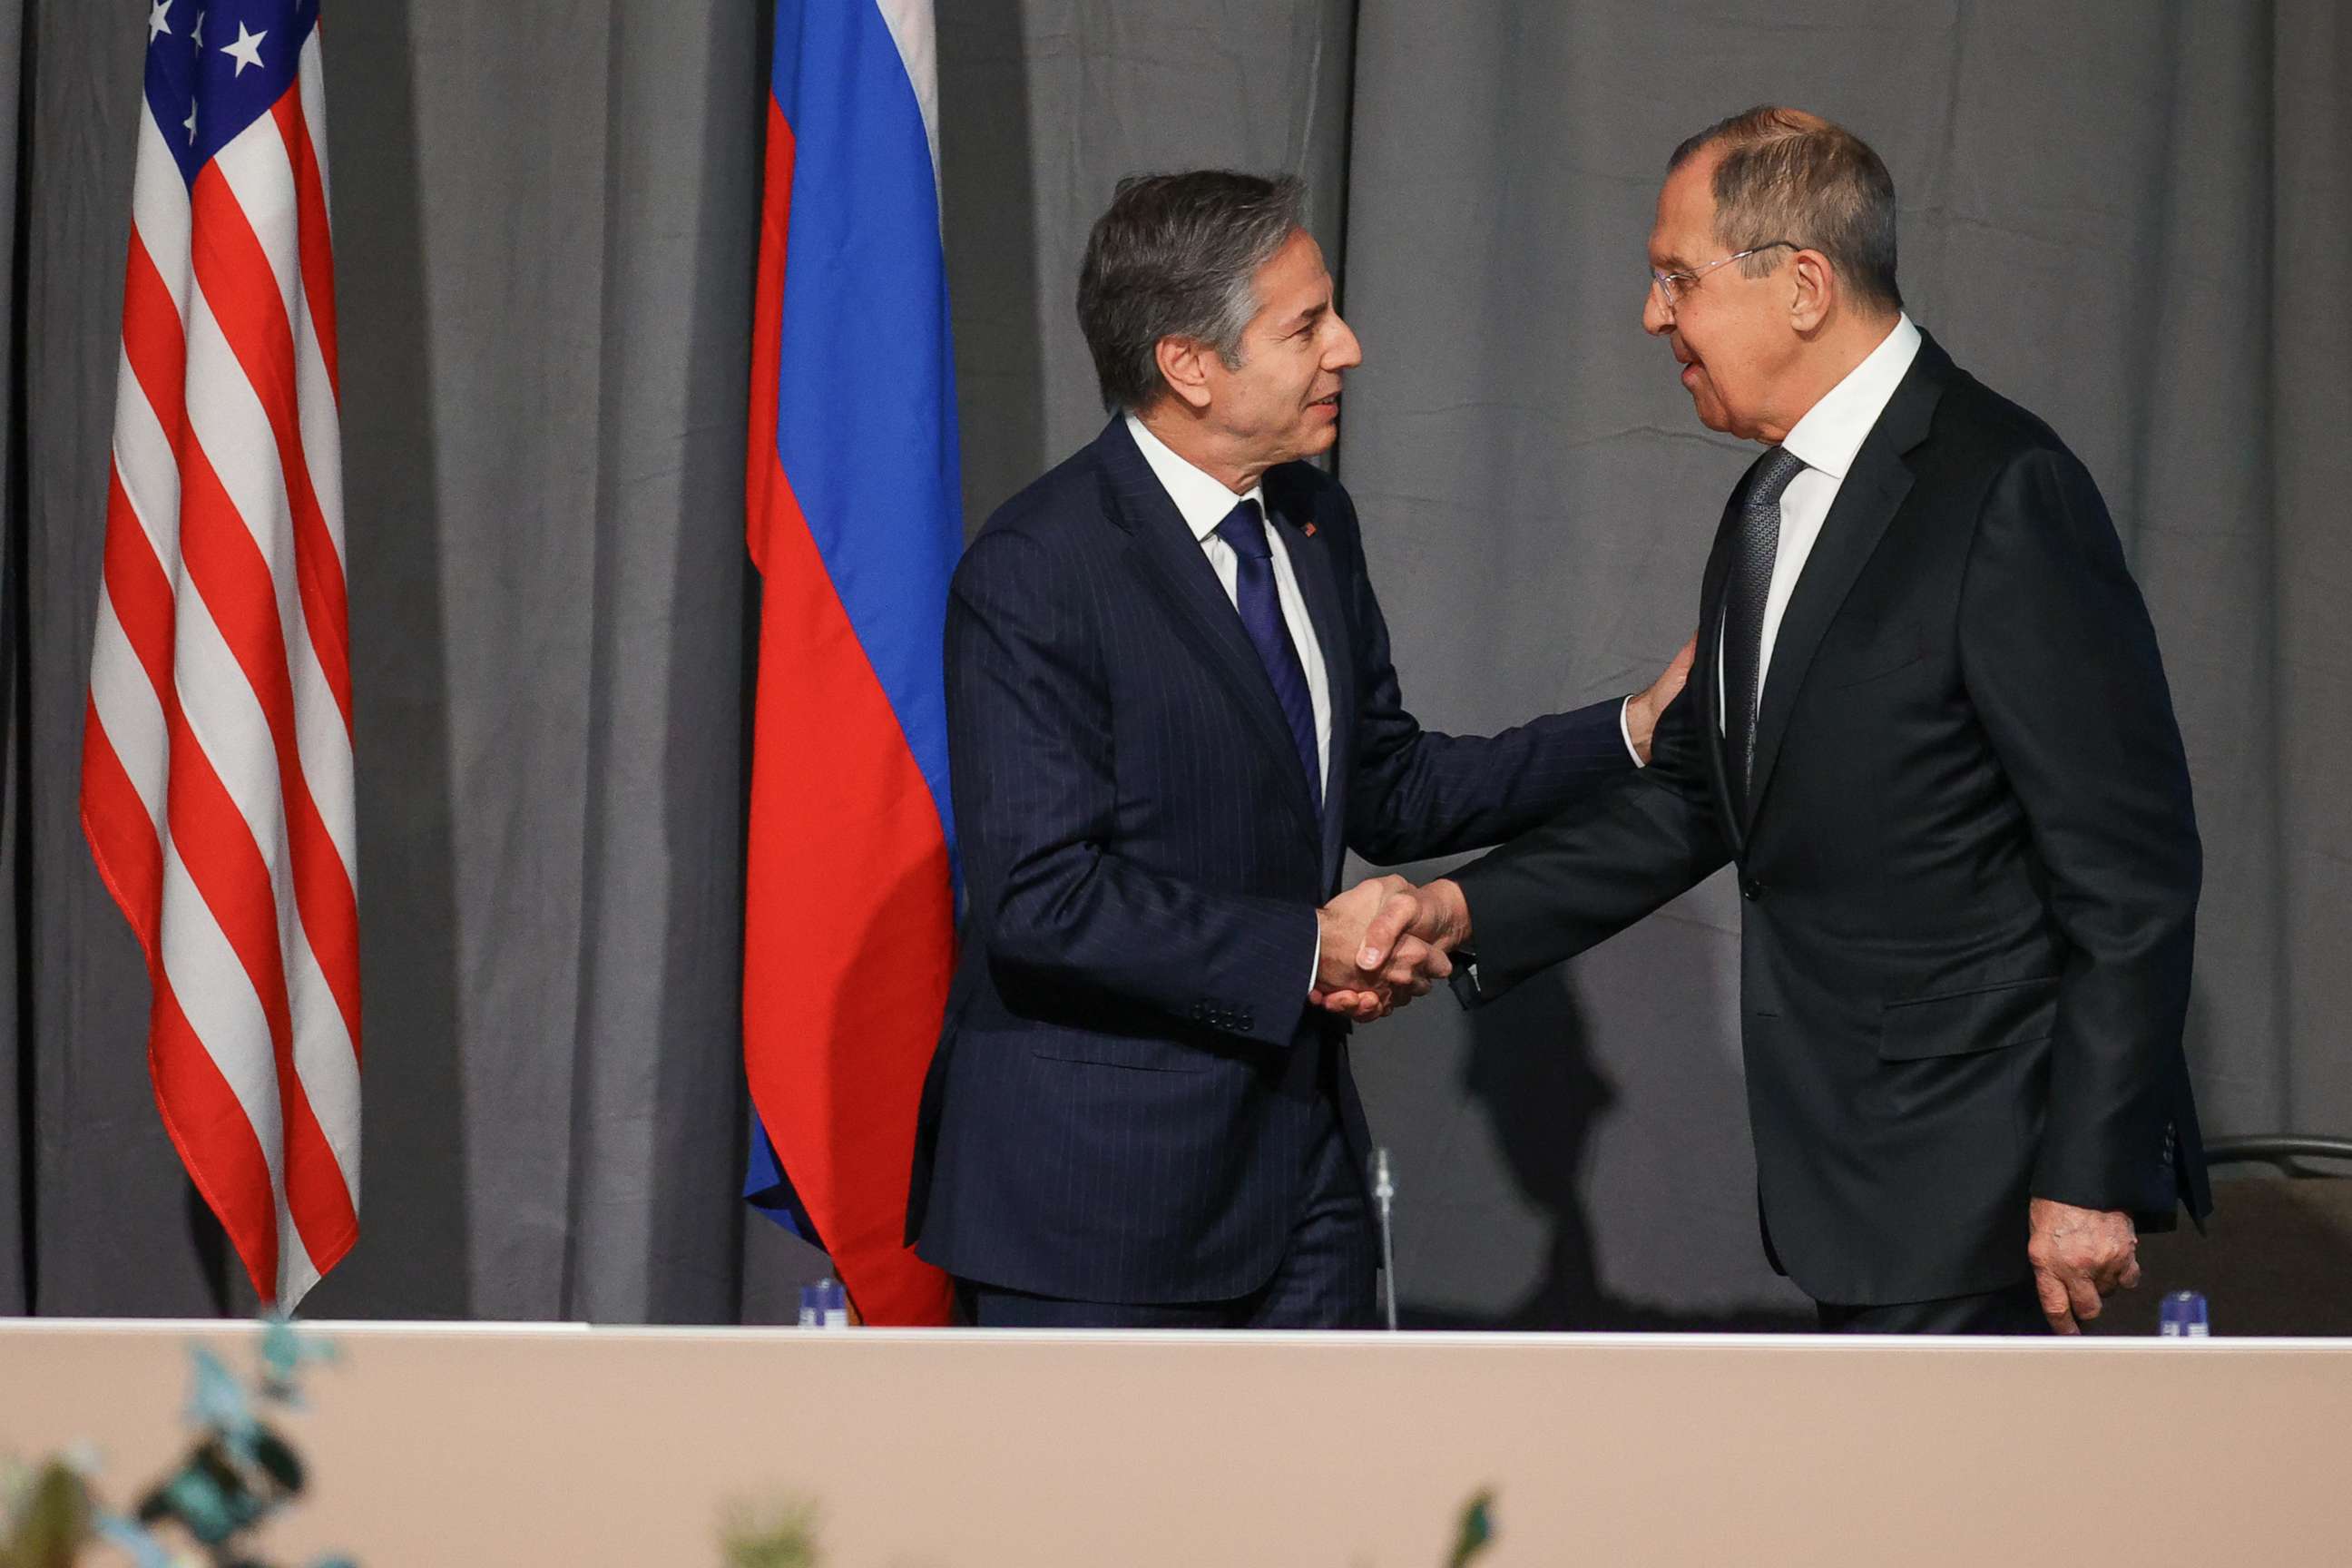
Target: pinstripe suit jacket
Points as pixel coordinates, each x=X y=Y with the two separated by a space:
x=1125 y=1089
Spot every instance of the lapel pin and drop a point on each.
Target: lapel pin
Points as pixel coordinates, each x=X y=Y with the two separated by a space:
x=1307 y=528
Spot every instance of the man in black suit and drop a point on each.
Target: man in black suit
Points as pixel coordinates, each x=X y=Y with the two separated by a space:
x=1929 y=726
x=1171 y=709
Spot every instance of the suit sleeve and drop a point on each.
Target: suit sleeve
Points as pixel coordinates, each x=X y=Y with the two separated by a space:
x=1029 y=740
x=1597 y=867
x=2061 y=664
x=1415 y=792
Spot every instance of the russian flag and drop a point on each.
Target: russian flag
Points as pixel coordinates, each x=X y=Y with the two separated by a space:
x=855 y=523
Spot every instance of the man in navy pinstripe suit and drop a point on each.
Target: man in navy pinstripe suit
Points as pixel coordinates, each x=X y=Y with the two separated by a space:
x=1171 y=711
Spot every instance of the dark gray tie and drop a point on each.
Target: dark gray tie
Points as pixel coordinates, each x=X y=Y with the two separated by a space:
x=1748 y=584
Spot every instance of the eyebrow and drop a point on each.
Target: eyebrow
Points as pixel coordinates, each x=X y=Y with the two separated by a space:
x=1312 y=313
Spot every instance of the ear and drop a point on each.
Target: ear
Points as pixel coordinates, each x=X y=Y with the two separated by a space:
x=1813 y=293
x=1183 y=364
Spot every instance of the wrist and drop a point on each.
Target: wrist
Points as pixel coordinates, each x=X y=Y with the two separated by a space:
x=1453 y=912
x=1640 y=724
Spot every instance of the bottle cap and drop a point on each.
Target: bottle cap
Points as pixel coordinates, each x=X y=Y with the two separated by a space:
x=2184 y=1316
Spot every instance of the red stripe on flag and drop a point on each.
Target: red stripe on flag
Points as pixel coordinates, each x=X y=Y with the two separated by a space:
x=318 y=248
x=235 y=274
x=836 y=1069
x=139 y=588
x=215 y=1141
x=155 y=342
x=121 y=836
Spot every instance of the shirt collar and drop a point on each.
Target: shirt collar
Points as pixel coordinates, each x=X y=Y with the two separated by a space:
x=1201 y=498
x=1832 y=430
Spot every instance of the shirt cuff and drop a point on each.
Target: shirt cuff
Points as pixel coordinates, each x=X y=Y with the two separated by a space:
x=1624 y=730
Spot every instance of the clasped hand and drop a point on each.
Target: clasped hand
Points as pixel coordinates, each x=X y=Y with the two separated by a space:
x=1384 y=941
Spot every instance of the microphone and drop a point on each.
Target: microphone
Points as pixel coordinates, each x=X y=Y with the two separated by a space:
x=1384 y=1193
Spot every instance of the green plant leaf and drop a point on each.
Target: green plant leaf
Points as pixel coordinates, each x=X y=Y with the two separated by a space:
x=52 y=1521
x=1477 y=1529
x=780 y=1534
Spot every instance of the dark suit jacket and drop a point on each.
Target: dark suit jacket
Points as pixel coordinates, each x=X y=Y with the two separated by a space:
x=1122 y=1100
x=1969 y=864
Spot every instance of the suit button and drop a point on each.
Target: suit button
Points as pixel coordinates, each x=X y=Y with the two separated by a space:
x=1248 y=1022
x=1750 y=888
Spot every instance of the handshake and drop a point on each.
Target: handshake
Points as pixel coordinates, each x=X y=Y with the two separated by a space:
x=1385 y=942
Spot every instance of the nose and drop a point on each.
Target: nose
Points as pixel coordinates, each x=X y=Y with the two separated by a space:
x=1657 y=316
x=1344 y=352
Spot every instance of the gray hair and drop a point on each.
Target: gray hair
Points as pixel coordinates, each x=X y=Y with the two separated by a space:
x=1790 y=176
x=1177 y=256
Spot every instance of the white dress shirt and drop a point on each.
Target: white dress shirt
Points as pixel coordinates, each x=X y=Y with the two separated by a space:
x=1203 y=503
x=1825 y=441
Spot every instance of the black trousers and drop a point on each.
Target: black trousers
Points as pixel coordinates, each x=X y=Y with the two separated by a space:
x=1324 y=1281
x=2013 y=1310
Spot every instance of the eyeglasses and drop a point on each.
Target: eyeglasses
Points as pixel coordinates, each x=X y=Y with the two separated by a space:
x=1673 y=286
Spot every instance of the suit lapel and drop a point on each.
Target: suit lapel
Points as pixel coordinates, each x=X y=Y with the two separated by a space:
x=1706 y=689
x=1866 y=502
x=1177 y=570
x=1310 y=562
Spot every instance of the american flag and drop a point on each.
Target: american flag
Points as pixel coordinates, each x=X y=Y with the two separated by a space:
x=216 y=749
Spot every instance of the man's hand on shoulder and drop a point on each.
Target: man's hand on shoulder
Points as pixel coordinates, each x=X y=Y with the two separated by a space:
x=2078 y=1255
x=1642 y=708
x=1397 y=942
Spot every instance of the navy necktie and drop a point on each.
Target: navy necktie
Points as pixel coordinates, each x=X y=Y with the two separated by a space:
x=1749 y=584
x=1261 y=609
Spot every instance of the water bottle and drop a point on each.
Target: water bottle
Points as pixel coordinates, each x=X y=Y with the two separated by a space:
x=2184 y=1317
x=824 y=1305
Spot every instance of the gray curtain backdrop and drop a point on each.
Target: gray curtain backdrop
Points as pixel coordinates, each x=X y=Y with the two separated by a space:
x=2132 y=217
